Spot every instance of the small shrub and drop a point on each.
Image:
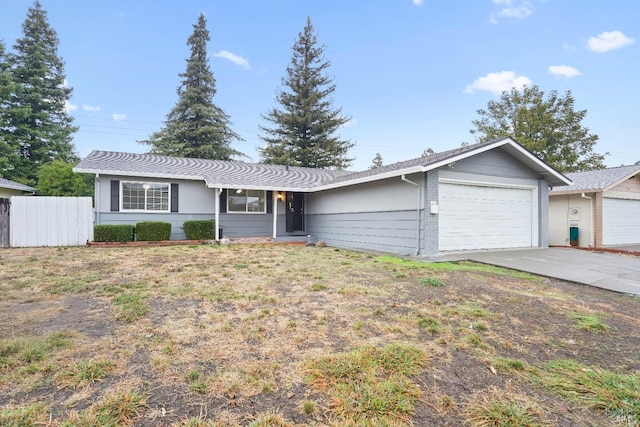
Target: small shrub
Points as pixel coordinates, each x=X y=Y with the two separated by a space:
x=113 y=233
x=199 y=229
x=153 y=231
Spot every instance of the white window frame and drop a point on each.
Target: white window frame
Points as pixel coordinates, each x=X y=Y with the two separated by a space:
x=232 y=191
x=143 y=183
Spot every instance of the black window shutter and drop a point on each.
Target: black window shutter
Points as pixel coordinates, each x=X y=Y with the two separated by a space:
x=115 y=195
x=223 y=201
x=174 y=197
x=269 y=201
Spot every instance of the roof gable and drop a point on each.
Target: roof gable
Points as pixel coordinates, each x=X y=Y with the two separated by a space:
x=597 y=180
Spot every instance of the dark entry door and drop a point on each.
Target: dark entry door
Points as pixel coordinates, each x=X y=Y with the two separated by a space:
x=295 y=212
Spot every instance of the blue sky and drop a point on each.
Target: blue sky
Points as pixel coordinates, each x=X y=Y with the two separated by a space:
x=410 y=73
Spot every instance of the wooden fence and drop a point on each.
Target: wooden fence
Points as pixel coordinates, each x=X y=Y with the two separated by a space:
x=4 y=223
x=50 y=221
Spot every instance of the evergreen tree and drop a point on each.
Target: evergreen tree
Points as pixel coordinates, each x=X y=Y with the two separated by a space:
x=549 y=127
x=8 y=155
x=376 y=162
x=305 y=123
x=39 y=128
x=196 y=127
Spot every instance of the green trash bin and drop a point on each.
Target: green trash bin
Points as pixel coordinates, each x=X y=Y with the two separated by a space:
x=573 y=236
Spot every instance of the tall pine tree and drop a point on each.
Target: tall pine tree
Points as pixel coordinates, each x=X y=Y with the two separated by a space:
x=39 y=129
x=8 y=154
x=305 y=122
x=196 y=127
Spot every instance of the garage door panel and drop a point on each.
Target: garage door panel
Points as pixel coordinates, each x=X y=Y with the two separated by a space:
x=620 y=221
x=477 y=217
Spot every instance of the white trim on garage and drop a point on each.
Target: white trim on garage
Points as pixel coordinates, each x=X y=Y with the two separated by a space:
x=620 y=221
x=486 y=215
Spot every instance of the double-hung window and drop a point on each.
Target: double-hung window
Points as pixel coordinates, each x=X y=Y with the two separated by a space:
x=143 y=196
x=246 y=201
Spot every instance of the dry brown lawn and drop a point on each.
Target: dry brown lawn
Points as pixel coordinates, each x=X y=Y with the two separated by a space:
x=270 y=335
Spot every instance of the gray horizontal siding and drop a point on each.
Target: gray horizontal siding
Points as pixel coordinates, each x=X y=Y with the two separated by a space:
x=244 y=225
x=494 y=163
x=393 y=231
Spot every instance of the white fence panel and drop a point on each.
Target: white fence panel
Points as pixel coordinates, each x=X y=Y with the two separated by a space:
x=50 y=221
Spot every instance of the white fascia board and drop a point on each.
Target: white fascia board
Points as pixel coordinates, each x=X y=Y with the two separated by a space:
x=140 y=174
x=370 y=178
x=624 y=178
x=258 y=187
x=500 y=143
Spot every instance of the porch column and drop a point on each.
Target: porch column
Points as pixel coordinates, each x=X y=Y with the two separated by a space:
x=217 y=214
x=274 y=195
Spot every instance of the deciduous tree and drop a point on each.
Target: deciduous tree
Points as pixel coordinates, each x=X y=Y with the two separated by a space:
x=196 y=127
x=305 y=122
x=550 y=127
x=58 y=179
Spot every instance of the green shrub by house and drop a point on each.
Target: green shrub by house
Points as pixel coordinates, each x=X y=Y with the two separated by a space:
x=199 y=229
x=113 y=233
x=148 y=231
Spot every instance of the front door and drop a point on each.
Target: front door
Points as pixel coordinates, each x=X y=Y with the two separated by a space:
x=295 y=212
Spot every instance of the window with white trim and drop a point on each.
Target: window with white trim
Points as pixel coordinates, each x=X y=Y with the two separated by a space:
x=145 y=196
x=246 y=201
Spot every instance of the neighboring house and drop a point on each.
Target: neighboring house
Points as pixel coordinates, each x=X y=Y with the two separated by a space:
x=604 y=206
x=11 y=188
x=483 y=196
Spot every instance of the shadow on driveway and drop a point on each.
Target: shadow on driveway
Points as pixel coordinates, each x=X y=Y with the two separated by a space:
x=616 y=272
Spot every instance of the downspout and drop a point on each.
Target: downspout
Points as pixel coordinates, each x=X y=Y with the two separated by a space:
x=217 y=214
x=591 y=230
x=417 y=214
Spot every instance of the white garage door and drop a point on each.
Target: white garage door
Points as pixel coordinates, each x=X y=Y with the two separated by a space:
x=620 y=221
x=478 y=217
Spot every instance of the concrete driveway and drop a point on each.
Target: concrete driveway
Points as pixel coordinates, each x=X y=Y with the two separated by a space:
x=616 y=272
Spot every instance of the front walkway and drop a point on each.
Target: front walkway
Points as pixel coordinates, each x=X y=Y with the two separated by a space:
x=616 y=272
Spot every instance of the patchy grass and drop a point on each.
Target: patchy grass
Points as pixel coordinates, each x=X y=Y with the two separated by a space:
x=595 y=388
x=371 y=386
x=84 y=373
x=589 y=322
x=305 y=336
x=456 y=266
x=494 y=407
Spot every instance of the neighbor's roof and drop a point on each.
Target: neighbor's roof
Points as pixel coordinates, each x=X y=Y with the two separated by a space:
x=5 y=183
x=219 y=173
x=597 y=180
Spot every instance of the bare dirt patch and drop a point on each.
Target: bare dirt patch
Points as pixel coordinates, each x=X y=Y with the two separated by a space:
x=226 y=334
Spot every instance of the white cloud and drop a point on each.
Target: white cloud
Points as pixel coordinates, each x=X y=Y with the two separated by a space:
x=512 y=9
x=236 y=59
x=563 y=71
x=90 y=108
x=496 y=83
x=418 y=2
x=609 y=40
x=118 y=117
x=69 y=107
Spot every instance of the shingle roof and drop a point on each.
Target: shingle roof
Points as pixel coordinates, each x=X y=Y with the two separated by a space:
x=260 y=176
x=5 y=183
x=214 y=172
x=596 y=180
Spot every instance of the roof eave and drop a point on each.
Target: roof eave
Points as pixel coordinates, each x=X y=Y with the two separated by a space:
x=366 y=179
x=619 y=181
x=139 y=174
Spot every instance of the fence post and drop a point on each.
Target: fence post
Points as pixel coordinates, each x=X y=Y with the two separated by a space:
x=4 y=223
